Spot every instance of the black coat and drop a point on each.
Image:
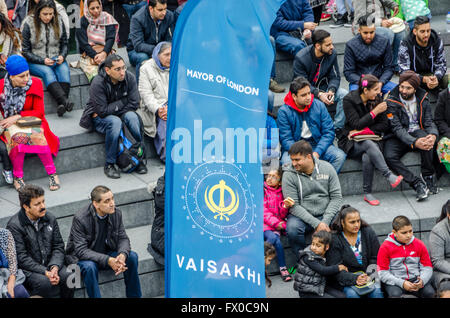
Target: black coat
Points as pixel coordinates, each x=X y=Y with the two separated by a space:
x=37 y=251
x=341 y=253
x=106 y=98
x=357 y=117
x=84 y=234
x=399 y=120
x=442 y=113
x=118 y=12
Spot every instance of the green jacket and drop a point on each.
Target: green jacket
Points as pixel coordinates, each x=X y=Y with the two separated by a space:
x=318 y=195
x=404 y=15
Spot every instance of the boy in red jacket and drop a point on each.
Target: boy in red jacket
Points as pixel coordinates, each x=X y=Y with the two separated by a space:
x=403 y=262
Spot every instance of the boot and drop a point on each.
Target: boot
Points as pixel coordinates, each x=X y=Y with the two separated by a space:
x=66 y=89
x=58 y=94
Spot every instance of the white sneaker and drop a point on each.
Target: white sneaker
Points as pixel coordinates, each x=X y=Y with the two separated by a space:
x=8 y=175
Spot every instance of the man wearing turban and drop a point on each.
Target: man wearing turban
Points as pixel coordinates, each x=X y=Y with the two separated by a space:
x=411 y=120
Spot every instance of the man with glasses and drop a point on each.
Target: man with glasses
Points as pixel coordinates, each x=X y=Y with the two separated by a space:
x=113 y=99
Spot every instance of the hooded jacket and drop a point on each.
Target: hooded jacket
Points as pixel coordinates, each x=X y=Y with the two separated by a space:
x=439 y=243
x=397 y=262
x=290 y=121
x=145 y=33
x=274 y=212
x=37 y=250
x=318 y=195
x=399 y=120
x=291 y=16
x=375 y=59
x=106 y=98
x=423 y=60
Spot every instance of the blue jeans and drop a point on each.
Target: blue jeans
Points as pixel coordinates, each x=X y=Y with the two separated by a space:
x=350 y=293
x=272 y=72
x=89 y=271
x=394 y=39
x=132 y=8
x=340 y=6
x=274 y=239
x=297 y=230
x=333 y=155
x=50 y=74
x=136 y=59
x=285 y=42
x=339 y=118
x=387 y=87
x=111 y=126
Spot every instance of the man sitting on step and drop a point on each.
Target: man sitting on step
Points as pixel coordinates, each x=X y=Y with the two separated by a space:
x=411 y=121
x=98 y=241
x=113 y=100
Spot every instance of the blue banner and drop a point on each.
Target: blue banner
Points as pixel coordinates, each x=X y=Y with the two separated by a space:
x=218 y=90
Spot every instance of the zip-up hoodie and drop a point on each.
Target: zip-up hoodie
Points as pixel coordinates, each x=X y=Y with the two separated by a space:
x=317 y=195
x=274 y=212
x=397 y=262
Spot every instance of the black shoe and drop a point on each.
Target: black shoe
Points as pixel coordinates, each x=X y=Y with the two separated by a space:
x=61 y=110
x=68 y=106
x=431 y=184
x=421 y=191
x=111 y=171
x=141 y=169
x=341 y=20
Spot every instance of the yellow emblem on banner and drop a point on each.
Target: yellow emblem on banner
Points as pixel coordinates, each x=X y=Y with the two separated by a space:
x=221 y=210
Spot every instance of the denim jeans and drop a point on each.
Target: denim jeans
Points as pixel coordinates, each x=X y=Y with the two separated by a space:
x=394 y=39
x=297 y=230
x=387 y=87
x=132 y=8
x=89 y=271
x=377 y=293
x=340 y=6
x=272 y=72
x=111 y=126
x=50 y=74
x=339 y=118
x=136 y=59
x=285 y=42
x=333 y=155
x=274 y=239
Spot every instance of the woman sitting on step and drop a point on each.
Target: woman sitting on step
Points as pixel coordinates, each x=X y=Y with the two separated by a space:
x=23 y=96
x=96 y=37
x=45 y=47
x=365 y=118
x=32 y=4
x=10 y=42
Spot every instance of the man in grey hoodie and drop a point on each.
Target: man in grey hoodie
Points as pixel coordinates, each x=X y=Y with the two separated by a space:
x=314 y=186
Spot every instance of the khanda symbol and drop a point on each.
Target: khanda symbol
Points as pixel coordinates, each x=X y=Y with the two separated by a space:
x=221 y=211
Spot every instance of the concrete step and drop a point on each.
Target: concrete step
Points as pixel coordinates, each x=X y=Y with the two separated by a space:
x=79 y=149
x=130 y=192
x=151 y=274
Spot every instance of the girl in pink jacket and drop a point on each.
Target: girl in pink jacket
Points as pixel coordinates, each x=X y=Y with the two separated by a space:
x=275 y=213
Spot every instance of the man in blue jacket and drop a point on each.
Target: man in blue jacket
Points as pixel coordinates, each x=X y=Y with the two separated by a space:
x=368 y=53
x=294 y=19
x=149 y=26
x=318 y=64
x=305 y=118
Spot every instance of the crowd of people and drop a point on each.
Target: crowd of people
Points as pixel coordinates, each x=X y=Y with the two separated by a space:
x=319 y=126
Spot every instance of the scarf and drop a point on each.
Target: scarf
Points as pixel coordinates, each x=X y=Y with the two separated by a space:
x=12 y=99
x=155 y=54
x=96 y=31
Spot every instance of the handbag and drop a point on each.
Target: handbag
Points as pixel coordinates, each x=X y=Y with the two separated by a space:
x=365 y=289
x=29 y=121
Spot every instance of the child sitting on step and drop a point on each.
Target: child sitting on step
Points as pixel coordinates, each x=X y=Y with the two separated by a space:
x=310 y=278
x=275 y=213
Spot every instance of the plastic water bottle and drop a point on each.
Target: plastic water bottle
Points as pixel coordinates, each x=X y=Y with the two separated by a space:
x=448 y=22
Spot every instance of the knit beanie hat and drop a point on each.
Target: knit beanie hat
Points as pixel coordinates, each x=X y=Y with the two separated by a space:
x=411 y=77
x=16 y=64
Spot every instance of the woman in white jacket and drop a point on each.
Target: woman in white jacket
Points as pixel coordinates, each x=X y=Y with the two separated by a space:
x=154 y=91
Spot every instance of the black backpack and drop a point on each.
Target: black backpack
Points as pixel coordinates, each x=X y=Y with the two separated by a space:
x=156 y=247
x=131 y=153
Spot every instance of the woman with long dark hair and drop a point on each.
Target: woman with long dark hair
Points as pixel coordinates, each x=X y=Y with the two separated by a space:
x=45 y=47
x=440 y=247
x=10 y=42
x=356 y=246
x=365 y=115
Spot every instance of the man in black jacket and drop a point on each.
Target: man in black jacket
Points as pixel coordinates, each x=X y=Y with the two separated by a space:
x=98 y=240
x=113 y=99
x=423 y=52
x=39 y=246
x=411 y=121
x=149 y=26
x=318 y=64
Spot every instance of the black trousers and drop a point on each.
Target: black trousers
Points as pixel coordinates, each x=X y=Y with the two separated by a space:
x=396 y=292
x=329 y=292
x=394 y=149
x=7 y=165
x=38 y=284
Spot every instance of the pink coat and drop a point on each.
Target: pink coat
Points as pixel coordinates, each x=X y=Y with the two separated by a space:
x=274 y=212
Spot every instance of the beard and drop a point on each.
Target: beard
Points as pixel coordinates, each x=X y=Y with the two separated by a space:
x=407 y=96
